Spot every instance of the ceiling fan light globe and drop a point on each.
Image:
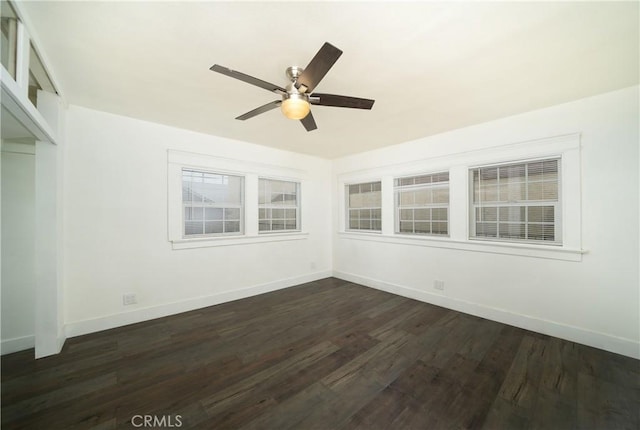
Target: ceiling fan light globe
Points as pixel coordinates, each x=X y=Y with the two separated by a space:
x=295 y=108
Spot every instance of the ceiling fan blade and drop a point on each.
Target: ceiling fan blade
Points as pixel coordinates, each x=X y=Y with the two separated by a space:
x=308 y=122
x=259 y=110
x=340 y=101
x=319 y=65
x=248 y=79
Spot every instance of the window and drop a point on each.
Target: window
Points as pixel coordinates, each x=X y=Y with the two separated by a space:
x=422 y=204
x=364 y=202
x=9 y=33
x=212 y=203
x=278 y=205
x=517 y=202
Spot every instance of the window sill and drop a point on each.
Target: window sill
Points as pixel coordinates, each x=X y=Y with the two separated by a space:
x=553 y=252
x=206 y=242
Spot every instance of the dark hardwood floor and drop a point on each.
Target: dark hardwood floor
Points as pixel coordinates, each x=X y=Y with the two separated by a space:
x=324 y=355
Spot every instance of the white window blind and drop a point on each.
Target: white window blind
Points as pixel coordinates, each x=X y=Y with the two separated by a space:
x=422 y=204
x=364 y=203
x=212 y=203
x=278 y=205
x=517 y=202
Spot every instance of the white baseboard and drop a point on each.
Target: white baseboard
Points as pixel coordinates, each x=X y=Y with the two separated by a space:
x=16 y=344
x=619 y=345
x=78 y=328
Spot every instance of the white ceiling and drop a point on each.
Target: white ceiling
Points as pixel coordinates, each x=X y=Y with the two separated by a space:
x=431 y=67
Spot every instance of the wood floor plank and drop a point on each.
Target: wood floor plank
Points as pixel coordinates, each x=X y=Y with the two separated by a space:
x=327 y=354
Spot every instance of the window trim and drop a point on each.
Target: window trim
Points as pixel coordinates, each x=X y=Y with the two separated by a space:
x=566 y=147
x=251 y=171
x=298 y=207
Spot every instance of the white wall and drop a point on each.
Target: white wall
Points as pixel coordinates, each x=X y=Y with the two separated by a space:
x=116 y=228
x=49 y=177
x=18 y=246
x=593 y=301
x=115 y=225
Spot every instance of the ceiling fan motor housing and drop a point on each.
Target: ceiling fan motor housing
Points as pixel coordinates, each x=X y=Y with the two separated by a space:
x=294 y=72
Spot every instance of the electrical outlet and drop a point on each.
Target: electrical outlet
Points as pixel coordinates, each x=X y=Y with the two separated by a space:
x=129 y=299
x=438 y=285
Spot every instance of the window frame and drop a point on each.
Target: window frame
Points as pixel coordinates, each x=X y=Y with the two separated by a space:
x=397 y=208
x=251 y=171
x=558 y=204
x=566 y=147
x=241 y=207
x=297 y=207
x=348 y=208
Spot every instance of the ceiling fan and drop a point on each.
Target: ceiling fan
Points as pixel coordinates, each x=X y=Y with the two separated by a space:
x=297 y=96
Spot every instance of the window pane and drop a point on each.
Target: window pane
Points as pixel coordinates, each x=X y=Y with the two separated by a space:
x=422 y=197
x=356 y=201
x=422 y=214
x=439 y=228
x=441 y=195
x=422 y=227
x=405 y=181
x=290 y=224
x=512 y=213
x=406 y=214
x=514 y=173
x=212 y=227
x=541 y=232
x=488 y=193
x=512 y=192
x=232 y=214
x=365 y=213
x=488 y=175
x=231 y=226
x=9 y=27
x=425 y=179
x=406 y=198
x=262 y=191
x=512 y=231
x=197 y=213
x=406 y=227
x=213 y=214
x=439 y=214
x=486 y=229
x=193 y=227
x=487 y=214
x=290 y=213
